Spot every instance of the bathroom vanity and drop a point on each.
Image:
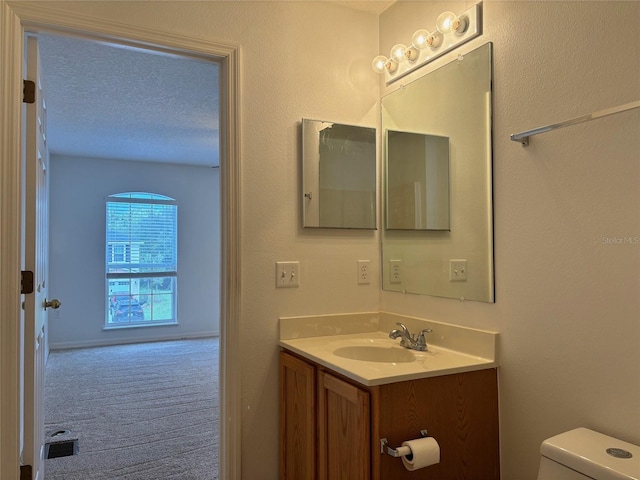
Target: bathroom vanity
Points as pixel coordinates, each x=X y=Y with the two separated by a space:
x=339 y=396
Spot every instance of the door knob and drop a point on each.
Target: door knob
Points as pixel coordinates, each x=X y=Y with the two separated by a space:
x=55 y=303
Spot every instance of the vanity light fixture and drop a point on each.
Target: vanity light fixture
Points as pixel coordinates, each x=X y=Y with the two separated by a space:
x=451 y=31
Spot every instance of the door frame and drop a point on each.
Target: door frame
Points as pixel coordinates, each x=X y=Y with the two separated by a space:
x=15 y=19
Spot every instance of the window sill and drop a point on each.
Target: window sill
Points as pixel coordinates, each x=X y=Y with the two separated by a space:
x=140 y=325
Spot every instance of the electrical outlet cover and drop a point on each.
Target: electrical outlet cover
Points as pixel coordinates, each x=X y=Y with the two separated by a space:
x=395 y=271
x=363 y=272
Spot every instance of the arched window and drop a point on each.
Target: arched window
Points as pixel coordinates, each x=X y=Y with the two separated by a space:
x=141 y=259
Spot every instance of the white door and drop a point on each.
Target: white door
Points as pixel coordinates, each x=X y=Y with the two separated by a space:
x=36 y=260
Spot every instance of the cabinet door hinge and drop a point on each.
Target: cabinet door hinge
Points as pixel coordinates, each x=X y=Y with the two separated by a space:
x=26 y=472
x=29 y=91
x=26 y=282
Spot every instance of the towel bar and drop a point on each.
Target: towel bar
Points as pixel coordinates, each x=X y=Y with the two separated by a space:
x=523 y=137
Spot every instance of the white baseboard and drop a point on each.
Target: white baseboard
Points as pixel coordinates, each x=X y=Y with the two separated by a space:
x=111 y=342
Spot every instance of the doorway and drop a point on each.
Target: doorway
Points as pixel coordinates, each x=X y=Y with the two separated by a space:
x=18 y=18
x=122 y=120
x=127 y=136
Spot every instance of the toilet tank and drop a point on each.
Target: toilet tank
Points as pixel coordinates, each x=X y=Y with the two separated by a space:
x=551 y=470
x=584 y=454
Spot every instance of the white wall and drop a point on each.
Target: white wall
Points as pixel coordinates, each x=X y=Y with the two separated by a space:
x=79 y=187
x=567 y=298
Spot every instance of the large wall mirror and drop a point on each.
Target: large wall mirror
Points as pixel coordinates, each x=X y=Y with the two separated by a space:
x=438 y=223
x=338 y=175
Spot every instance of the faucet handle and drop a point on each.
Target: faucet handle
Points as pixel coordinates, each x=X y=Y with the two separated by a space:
x=403 y=327
x=422 y=332
x=420 y=338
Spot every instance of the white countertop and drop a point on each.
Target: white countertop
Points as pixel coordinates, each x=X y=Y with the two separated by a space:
x=434 y=362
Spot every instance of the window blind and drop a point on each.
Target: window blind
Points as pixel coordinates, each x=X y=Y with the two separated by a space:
x=141 y=236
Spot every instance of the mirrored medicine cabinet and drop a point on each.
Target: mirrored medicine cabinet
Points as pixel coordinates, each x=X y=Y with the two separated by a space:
x=438 y=224
x=338 y=175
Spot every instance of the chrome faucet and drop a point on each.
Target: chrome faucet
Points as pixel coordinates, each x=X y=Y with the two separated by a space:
x=407 y=340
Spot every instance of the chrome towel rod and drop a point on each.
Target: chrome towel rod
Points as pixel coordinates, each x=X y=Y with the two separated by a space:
x=524 y=136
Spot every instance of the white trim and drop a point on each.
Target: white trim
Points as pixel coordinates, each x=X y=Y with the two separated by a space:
x=230 y=290
x=15 y=18
x=128 y=326
x=109 y=343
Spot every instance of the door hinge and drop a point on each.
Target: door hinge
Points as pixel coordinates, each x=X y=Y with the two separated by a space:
x=26 y=472
x=29 y=92
x=26 y=282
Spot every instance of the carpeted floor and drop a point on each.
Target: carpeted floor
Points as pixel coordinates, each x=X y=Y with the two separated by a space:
x=140 y=412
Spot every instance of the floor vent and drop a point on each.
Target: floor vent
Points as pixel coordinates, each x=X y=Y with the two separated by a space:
x=61 y=443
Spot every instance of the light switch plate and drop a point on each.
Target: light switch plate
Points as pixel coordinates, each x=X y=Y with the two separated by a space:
x=287 y=274
x=458 y=270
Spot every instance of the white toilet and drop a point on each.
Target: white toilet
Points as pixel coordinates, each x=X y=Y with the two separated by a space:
x=583 y=454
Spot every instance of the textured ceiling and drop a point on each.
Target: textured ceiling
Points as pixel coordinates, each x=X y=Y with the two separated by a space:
x=114 y=102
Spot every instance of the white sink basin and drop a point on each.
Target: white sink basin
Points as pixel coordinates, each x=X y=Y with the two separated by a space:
x=375 y=353
x=372 y=358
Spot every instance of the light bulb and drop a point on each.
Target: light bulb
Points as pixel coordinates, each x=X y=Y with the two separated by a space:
x=391 y=65
x=449 y=22
x=419 y=39
x=379 y=63
x=411 y=53
x=434 y=40
x=444 y=23
x=460 y=24
x=397 y=52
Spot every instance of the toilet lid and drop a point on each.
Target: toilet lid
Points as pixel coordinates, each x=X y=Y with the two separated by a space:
x=585 y=451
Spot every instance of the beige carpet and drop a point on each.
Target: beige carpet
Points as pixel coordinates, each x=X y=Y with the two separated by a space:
x=140 y=412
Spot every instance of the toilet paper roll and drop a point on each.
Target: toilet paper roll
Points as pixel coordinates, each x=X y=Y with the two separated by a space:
x=424 y=452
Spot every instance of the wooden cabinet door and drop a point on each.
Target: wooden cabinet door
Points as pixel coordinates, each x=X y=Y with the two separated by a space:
x=460 y=411
x=297 y=419
x=343 y=430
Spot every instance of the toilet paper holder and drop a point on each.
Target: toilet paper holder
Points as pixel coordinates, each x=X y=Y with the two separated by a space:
x=395 y=452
